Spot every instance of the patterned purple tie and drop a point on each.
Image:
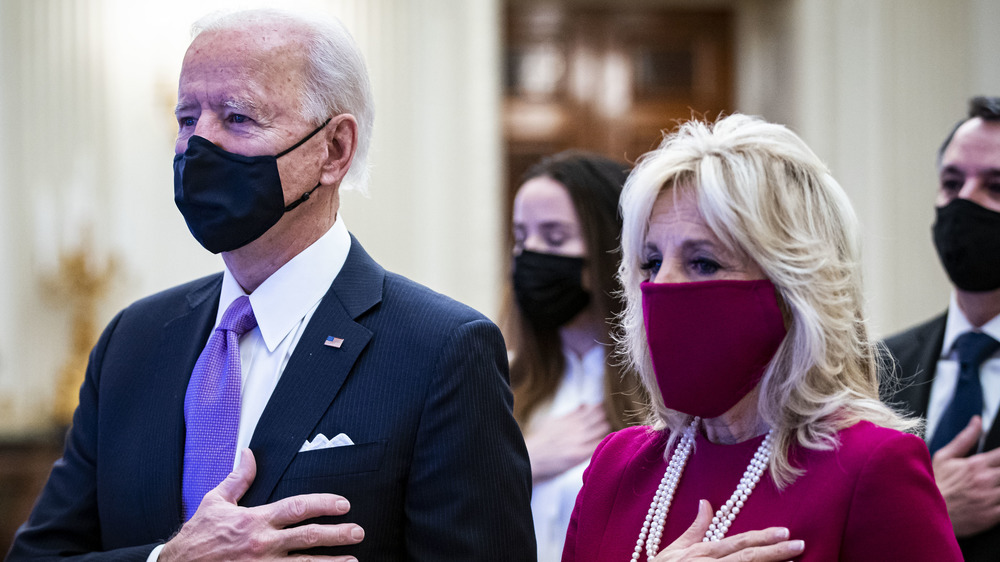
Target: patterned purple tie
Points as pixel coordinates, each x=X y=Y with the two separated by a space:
x=212 y=407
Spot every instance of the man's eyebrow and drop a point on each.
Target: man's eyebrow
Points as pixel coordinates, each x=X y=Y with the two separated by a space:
x=245 y=105
x=183 y=106
x=952 y=169
x=239 y=104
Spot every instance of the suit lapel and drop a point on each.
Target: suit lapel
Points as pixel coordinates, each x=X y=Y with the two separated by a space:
x=918 y=363
x=993 y=437
x=315 y=372
x=184 y=336
x=930 y=352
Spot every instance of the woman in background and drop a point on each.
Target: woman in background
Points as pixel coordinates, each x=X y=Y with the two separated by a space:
x=567 y=394
x=745 y=319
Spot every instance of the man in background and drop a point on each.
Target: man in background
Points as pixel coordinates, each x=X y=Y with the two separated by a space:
x=949 y=366
x=305 y=398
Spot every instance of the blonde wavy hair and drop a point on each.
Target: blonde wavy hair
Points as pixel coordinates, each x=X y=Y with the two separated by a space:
x=764 y=193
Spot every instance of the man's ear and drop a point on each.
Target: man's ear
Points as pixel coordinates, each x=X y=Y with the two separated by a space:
x=342 y=142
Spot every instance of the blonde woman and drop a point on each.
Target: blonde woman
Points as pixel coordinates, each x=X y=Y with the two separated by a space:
x=744 y=318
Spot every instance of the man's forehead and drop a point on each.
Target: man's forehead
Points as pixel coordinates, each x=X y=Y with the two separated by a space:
x=257 y=51
x=976 y=139
x=241 y=70
x=252 y=40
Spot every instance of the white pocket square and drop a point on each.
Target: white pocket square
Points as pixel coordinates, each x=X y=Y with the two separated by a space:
x=321 y=442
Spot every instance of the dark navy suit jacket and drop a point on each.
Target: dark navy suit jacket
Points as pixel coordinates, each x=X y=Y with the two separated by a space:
x=914 y=356
x=438 y=471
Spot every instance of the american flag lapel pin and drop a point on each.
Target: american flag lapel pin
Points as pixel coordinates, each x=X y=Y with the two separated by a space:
x=333 y=342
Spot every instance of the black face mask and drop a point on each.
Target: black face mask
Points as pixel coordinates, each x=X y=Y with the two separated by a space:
x=967 y=238
x=229 y=200
x=548 y=288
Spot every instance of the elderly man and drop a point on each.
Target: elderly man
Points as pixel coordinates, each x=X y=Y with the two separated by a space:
x=356 y=413
x=949 y=365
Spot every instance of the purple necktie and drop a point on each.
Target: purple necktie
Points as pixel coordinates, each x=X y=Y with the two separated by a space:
x=212 y=407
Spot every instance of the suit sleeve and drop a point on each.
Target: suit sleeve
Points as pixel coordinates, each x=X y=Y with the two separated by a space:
x=469 y=488
x=64 y=523
x=897 y=512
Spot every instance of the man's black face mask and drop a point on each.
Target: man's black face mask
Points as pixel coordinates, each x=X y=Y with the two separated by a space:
x=229 y=200
x=967 y=238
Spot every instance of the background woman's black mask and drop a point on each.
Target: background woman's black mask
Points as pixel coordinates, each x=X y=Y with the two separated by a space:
x=549 y=288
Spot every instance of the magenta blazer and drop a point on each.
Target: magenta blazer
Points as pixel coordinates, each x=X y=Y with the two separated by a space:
x=872 y=498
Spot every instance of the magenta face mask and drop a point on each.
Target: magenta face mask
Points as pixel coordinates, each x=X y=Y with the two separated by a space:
x=710 y=341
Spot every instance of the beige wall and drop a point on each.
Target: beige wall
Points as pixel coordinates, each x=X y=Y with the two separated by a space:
x=872 y=85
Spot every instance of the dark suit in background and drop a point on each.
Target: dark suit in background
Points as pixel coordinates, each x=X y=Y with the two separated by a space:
x=966 y=235
x=915 y=353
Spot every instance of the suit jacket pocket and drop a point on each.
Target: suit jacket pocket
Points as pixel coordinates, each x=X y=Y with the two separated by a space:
x=335 y=461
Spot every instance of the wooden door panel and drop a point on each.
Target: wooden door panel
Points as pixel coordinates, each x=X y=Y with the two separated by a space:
x=608 y=80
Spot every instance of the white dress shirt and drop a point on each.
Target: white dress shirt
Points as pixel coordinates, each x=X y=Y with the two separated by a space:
x=946 y=375
x=552 y=501
x=283 y=305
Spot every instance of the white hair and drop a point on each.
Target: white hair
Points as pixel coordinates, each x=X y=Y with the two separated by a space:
x=764 y=193
x=336 y=79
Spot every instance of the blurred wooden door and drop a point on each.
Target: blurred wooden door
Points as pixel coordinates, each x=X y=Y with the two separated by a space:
x=608 y=80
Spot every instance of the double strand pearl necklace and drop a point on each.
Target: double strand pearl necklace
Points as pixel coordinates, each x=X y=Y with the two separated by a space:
x=652 y=527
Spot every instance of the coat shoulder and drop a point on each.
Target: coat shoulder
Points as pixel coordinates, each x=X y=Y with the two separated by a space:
x=411 y=299
x=915 y=334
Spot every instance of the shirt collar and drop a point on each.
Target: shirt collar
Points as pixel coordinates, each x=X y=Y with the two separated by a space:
x=958 y=324
x=590 y=364
x=284 y=298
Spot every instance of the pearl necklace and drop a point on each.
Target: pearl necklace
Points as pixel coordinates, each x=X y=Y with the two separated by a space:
x=652 y=527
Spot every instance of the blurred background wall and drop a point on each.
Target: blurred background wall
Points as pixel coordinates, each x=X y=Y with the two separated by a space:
x=87 y=87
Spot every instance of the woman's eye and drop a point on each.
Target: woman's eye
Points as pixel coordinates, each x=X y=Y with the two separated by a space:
x=705 y=266
x=186 y=121
x=555 y=240
x=652 y=266
x=237 y=118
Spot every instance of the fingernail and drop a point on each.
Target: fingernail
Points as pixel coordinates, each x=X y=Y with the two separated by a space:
x=781 y=534
x=357 y=533
x=797 y=546
x=343 y=505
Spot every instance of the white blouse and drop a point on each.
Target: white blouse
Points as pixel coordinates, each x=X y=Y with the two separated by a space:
x=552 y=501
